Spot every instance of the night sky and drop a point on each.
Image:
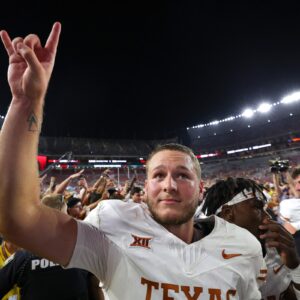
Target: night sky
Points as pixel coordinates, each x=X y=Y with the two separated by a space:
x=145 y=70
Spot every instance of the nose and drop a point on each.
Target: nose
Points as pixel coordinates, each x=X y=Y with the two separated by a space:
x=170 y=184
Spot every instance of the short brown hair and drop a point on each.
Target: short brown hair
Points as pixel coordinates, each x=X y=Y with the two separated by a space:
x=179 y=148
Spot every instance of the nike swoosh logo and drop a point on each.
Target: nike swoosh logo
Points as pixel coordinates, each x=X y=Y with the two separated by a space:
x=230 y=255
x=277 y=269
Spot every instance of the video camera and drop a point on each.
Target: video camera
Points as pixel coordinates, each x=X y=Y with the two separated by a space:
x=278 y=165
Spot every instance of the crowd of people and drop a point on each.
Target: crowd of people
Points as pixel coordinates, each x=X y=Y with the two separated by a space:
x=175 y=237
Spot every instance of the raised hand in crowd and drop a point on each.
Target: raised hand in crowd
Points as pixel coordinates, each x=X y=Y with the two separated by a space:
x=52 y=186
x=30 y=66
x=63 y=185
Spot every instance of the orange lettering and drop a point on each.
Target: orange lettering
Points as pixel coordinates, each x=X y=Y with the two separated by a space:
x=140 y=241
x=166 y=287
x=215 y=294
x=150 y=285
x=197 y=292
x=230 y=293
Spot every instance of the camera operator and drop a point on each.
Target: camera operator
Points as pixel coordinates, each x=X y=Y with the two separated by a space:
x=296 y=181
x=282 y=179
x=290 y=208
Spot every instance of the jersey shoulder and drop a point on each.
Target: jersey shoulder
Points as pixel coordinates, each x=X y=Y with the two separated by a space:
x=115 y=215
x=231 y=236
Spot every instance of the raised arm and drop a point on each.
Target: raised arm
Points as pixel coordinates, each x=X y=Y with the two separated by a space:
x=290 y=182
x=60 y=188
x=275 y=178
x=23 y=220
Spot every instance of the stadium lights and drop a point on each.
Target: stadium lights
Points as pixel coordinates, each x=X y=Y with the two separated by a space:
x=261 y=146
x=237 y=150
x=264 y=107
x=214 y=122
x=291 y=98
x=250 y=148
x=91 y=161
x=107 y=166
x=63 y=161
x=248 y=113
x=207 y=155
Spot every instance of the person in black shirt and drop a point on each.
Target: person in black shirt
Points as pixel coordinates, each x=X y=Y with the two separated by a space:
x=39 y=278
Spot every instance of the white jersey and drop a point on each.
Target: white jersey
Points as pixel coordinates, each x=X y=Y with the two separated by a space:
x=290 y=210
x=278 y=276
x=137 y=258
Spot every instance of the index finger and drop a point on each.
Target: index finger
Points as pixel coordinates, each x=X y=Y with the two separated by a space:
x=7 y=42
x=53 y=38
x=276 y=227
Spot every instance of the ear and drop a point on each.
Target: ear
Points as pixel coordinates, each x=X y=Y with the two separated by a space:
x=227 y=213
x=146 y=190
x=201 y=190
x=201 y=186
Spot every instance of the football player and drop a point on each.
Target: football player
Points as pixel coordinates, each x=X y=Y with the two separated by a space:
x=138 y=251
x=243 y=202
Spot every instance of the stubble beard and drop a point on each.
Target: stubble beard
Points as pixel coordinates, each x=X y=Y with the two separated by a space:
x=183 y=218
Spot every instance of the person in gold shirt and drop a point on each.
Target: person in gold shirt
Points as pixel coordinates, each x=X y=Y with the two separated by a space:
x=6 y=250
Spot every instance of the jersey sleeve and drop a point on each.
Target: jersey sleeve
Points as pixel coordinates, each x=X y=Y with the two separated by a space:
x=284 y=209
x=94 y=252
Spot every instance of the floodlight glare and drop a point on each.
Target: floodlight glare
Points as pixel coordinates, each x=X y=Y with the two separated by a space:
x=248 y=113
x=214 y=123
x=291 y=98
x=264 y=107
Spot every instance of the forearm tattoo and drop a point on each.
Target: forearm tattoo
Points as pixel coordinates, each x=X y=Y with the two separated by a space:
x=32 y=122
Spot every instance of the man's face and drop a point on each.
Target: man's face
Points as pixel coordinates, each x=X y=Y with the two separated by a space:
x=249 y=214
x=137 y=197
x=75 y=210
x=297 y=184
x=172 y=187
